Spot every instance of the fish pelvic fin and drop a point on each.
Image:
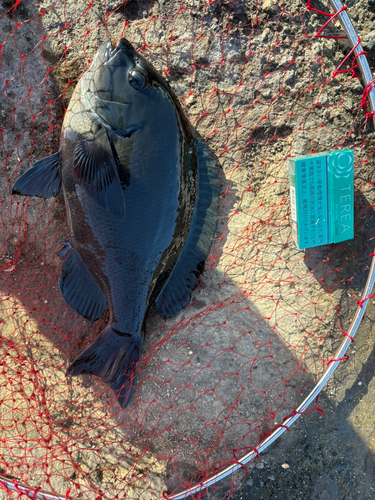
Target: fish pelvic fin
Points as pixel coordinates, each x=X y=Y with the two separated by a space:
x=42 y=179
x=111 y=357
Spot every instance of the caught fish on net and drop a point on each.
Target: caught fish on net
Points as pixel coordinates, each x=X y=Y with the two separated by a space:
x=259 y=83
x=125 y=140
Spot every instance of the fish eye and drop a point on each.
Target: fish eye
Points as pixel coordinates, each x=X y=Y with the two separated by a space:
x=138 y=79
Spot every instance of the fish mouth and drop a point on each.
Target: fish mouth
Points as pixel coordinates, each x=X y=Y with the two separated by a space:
x=122 y=46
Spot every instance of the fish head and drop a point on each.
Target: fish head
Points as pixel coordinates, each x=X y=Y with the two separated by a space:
x=119 y=87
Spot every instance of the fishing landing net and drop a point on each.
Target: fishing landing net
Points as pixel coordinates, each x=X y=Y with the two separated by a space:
x=260 y=81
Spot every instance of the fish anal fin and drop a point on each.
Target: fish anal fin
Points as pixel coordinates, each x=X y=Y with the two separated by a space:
x=176 y=291
x=42 y=179
x=97 y=170
x=78 y=287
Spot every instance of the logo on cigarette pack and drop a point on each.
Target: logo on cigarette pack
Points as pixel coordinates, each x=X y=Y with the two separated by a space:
x=341 y=165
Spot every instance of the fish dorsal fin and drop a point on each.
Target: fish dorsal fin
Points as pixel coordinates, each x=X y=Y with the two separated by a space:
x=78 y=287
x=97 y=171
x=42 y=179
x=177 y=289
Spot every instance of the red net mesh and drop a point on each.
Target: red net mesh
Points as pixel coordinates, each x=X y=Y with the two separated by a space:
x=264 y=322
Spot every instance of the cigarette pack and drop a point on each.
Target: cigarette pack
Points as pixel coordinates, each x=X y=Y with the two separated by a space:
x=321 y=198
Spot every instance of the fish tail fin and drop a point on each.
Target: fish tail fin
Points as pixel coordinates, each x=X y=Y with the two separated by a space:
x=111 y=357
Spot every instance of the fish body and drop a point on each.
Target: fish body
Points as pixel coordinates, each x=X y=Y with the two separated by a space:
x=140 y=195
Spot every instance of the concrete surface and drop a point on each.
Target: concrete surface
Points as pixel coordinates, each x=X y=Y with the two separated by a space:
x=260 y=304
x=329 y=456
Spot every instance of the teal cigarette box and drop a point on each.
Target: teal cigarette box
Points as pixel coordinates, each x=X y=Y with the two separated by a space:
x=340 y=170
x=321 y=198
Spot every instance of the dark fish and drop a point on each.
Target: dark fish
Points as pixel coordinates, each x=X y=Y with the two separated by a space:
x=141 y=196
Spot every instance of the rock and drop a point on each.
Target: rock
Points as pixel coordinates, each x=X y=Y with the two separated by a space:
x=368 y=41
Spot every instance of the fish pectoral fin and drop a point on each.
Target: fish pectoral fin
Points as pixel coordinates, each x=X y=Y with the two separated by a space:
x=97 y=170
x=176 y=291
x=42 y=179
x=78 y=287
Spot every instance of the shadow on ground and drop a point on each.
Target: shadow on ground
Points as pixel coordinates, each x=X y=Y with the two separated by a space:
x=330 y=456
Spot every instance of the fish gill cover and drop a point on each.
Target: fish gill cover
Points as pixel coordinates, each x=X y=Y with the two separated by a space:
x=258 y=85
